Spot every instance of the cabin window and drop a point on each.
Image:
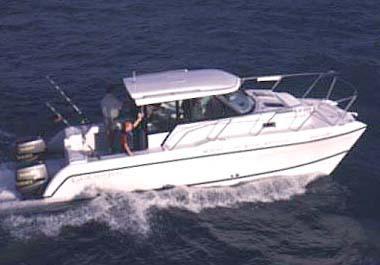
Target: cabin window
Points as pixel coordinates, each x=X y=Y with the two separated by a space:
x=203 y=109
x=196 y=109
x=162 y=117
x=238 y=101
x=217 y=107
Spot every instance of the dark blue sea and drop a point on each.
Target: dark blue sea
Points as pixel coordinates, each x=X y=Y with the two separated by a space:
x=86 y=45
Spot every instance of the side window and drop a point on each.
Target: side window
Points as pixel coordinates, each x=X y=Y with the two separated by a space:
x=239 y=102
x=217 y=109
x=206 y=108
x=161 y=117
x=195 y=109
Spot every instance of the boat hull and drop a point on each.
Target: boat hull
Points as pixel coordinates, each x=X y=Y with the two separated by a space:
x=316 y=151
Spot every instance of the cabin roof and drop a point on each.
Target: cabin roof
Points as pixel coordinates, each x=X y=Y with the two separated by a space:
x=180 y=84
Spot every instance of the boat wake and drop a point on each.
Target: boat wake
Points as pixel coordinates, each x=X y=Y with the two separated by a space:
x=130 y=212
x=7 y=183
x=6 y=137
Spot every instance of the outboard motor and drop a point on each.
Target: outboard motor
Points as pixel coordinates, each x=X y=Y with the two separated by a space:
x=31 y=179
x=30 y=148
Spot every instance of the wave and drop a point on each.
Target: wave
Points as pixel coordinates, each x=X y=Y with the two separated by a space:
x=7 y=182
x=6 y=136
x=130 y=211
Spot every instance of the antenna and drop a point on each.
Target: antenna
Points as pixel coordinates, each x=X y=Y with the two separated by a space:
x=134 y=76
x=134 y=79
x=84 y=119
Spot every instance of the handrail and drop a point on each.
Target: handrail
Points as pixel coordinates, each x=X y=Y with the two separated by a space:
x=331 y=87
x=277 y=79
x=167 y=136
x=311 y=87
x=268 y=120
x=249 y=78
x=184 y=134
x=222 y=130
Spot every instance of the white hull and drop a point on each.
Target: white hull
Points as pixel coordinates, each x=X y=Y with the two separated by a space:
x=201 y=128
x=315 y=151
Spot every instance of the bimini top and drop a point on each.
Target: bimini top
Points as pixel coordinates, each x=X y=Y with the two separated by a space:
x=180 y=84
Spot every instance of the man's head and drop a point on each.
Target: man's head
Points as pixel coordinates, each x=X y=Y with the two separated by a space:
x=128 y=126
x=110 y=89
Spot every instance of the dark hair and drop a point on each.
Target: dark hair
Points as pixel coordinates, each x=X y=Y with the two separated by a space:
x=110 y=89
x=125 y=123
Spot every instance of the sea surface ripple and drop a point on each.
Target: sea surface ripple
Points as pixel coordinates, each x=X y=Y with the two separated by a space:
x=86 y=45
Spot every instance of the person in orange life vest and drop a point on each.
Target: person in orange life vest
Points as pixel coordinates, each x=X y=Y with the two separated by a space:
x=127 y=134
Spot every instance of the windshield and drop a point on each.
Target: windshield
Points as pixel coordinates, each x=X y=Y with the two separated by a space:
x=239 y=102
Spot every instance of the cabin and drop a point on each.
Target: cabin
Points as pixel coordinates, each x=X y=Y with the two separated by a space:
x=188 y=108
x=173 y=98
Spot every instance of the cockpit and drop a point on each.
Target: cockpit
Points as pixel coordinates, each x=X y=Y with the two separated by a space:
x=170 y=100
x=164 y=117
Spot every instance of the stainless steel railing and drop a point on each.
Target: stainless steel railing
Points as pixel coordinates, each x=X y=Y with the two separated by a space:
x=319 y=76
x=277 y=80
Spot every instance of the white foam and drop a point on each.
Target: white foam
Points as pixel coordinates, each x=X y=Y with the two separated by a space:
x=7 y=182
x=8 y=190
x=6 y=134
x=129 y=212
x=6 y=137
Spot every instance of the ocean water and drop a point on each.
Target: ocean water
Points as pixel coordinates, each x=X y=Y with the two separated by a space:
x=86 y=45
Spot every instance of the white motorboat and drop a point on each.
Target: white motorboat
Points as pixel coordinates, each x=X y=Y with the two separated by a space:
x=201 y=128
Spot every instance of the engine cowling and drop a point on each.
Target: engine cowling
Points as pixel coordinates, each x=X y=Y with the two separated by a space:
x=31 y=179
x=30 y=148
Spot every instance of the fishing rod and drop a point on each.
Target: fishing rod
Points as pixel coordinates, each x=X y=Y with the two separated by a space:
x=65 y=121
x=59 y=115
x=68 y=100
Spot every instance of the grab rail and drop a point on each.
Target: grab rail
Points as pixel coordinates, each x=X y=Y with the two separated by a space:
x=277 y=79
x=183 y=135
